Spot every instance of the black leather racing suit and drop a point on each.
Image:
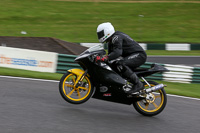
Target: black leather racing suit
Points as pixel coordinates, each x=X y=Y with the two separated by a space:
x=121 y=45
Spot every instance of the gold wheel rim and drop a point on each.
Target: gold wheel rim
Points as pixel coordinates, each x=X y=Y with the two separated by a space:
x=154 y=105
x=73 y=93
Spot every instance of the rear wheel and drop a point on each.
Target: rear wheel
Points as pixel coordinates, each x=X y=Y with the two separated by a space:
x=72 y=93
x=154 y=102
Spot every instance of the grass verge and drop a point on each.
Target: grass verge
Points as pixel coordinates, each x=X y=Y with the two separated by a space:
x=183 y=89
x=77 y=21
x=174 y=53
x=190 y=90
x=29 y=74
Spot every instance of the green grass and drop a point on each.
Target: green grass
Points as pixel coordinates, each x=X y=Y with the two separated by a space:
x=135 y=1
x=174 y=53
x=183 y=89
x=77 y=21
x=190 y=90
x=29 y=74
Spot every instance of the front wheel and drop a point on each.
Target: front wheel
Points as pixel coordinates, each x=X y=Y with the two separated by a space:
x=73 y=93
x=154 y=102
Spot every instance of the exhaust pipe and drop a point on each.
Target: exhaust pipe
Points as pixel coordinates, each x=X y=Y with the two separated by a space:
x=155 y=88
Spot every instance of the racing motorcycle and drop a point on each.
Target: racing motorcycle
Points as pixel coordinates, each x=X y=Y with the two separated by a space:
x=98 y=80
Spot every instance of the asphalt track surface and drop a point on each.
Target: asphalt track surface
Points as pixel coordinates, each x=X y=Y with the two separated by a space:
x=31 y=106
x=176 y=60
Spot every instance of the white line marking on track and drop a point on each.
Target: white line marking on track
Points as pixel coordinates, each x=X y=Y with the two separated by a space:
x=28 y=78
x=191 y=98
x=183 y=97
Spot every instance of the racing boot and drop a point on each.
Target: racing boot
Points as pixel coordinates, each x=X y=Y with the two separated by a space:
x=133 y=78
x=138 y=85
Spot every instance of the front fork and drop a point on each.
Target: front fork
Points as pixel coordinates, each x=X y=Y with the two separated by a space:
x=80 y=75
x=80 y=79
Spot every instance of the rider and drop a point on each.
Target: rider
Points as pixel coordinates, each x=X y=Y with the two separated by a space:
x=120 y=45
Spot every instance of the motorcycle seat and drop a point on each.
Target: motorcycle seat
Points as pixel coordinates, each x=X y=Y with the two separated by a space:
x=155 y=68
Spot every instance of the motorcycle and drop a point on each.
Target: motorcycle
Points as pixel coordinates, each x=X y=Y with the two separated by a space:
x=98 y=80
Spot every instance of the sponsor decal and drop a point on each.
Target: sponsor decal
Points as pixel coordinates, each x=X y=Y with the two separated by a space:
x=133 y=56
x=115 y=38
x=25 y=62
x=107 y=95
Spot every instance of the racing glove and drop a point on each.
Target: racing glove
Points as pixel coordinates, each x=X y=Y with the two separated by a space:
x=98 y=59
x=104 y=59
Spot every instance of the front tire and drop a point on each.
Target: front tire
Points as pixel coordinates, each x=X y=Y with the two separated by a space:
x=75 y=94
x=153 y=104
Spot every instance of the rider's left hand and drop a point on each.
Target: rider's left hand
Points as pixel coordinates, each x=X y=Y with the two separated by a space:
x=104 y=59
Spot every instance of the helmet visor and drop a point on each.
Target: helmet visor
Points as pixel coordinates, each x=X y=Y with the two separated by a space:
x=100 y=34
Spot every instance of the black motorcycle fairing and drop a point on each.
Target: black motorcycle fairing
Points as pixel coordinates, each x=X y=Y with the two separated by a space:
x=101 y=75
x=113 y=94
x=98 y=71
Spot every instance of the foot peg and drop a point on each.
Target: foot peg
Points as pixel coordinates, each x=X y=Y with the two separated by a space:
x=127 y=88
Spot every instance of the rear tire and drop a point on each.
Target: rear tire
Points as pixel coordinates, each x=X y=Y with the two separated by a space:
x=72 y=94
x=153 y=104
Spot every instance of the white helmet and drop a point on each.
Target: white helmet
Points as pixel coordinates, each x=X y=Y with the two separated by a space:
x=104 y=31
